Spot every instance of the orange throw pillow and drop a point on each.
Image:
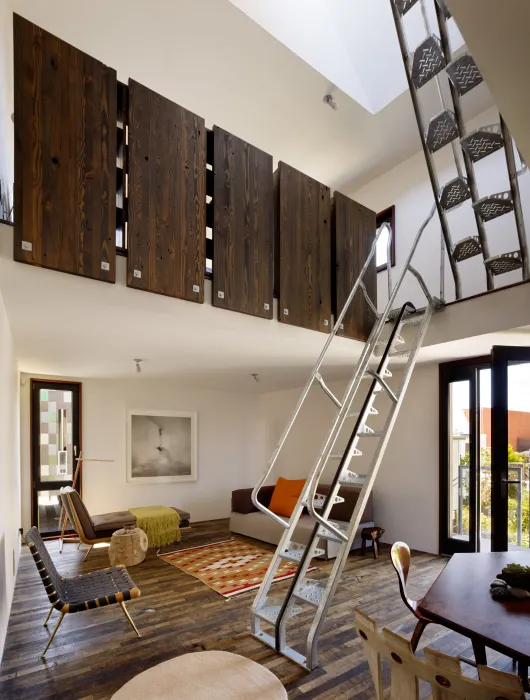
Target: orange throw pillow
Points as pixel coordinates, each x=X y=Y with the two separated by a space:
x=285 y=495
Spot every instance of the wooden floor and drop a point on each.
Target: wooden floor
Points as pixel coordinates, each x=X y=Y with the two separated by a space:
x=95 y=652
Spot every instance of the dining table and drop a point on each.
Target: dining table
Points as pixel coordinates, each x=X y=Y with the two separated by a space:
x=460 y=599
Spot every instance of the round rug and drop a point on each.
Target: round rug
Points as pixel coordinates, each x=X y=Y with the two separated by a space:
x=204 y=675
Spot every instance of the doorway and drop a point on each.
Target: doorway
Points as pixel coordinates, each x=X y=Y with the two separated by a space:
x=484 y=452
x=55 y=445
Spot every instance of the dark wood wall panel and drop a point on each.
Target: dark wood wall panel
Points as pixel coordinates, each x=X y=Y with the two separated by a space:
x=167 y=196
x=65 y=156
x=353 y=234
x=243 y=230
x=303 y=250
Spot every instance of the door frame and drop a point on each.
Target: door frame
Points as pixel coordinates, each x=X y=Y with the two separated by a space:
x=501 y=357
x=35 y=385
x=449 y=372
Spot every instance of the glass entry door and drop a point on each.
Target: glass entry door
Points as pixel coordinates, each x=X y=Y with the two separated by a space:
x=510 y=448
x=55 y=438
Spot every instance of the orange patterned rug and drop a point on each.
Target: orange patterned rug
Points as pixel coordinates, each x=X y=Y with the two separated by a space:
x=230 y=568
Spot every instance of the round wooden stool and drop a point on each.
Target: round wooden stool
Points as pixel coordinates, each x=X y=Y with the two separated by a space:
x=128 y=546
x=373 y=535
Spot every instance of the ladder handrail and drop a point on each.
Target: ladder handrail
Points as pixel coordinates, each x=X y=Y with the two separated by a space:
x=310 y=381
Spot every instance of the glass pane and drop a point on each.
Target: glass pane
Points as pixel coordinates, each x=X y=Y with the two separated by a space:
x=485 y=460
x=459 y=460
x=518 y=454
x=48 y=511
x=55 y=431
x=381 y=249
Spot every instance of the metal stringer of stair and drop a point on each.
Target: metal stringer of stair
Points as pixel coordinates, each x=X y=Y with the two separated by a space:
x=304 y=591
x=426 y=62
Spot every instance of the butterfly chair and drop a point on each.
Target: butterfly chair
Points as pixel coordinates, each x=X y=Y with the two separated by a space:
x=84 y=592
x=442 y=672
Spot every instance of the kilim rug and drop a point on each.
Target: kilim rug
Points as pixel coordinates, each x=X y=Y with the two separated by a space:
x=229 y=568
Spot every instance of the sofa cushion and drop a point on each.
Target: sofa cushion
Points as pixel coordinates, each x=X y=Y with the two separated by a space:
x=242 y=499
x=113 y=521
x=285 y=496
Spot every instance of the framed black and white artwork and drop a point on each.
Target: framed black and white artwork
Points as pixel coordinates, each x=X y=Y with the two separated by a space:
x=161 y=446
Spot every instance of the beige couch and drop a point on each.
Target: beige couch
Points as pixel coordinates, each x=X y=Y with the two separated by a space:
x=246 y=519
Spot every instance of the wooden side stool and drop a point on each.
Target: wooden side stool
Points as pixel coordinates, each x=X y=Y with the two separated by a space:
x=373 y=535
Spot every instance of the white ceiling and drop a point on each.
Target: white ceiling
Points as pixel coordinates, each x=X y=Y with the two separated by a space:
x=212 y=58
x=353 y=43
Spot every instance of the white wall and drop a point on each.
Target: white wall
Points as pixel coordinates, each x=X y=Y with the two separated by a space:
x=228 y=437
x=9 y=471
x=407 y=187
x=406 y=488
x=6 y=93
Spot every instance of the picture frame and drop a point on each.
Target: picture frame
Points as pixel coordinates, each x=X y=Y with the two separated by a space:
x=161 y=446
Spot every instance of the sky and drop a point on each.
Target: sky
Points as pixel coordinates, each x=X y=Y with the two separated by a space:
x=518 y=393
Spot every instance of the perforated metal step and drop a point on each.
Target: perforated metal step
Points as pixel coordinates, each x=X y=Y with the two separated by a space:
x=467 y=248
x=352 y=479
x=427 y=61
x=320 y=499
x=445 y=9
x=326 y=534
x=507 y=262
x=442 y=130
x=454 y=193
x=494 y=205
x=310 y=591
x=482 y=142
x=294 y=552
x=403 y=6
x=270 y=611
x=464 y=73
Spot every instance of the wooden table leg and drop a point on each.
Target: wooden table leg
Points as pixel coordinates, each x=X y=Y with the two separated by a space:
x=363 y=547
x=375 y=547
x=479 y=649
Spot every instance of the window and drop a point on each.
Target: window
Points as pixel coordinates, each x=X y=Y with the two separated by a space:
x=386 y=216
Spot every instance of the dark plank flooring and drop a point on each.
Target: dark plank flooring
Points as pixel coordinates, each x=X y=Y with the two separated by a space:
x=95 y=652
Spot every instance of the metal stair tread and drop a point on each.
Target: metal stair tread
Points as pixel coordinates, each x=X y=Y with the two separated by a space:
x=349 y=478
x=295 y=551
x=310 y=591
x=326 y=534
x=483 y=141
x=442 y=129
x=463 y=72
x=320 y=499
x=355 y=414
x=427 y=61
x=467 y=248
x=340 y=455
x=505 y=262
x=494 y=205
x=270 y=612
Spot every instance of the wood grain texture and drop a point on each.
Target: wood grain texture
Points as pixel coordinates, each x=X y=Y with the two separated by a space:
x=243 y=230
x=352 y=235
x=166 y=196
x=65 y=155
x=460 y=598
x=95 y=652
x=303 y=250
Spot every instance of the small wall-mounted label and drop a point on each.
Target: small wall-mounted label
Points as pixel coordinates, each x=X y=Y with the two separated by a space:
x=26 y=245
x=341 y=326
x=137 y=274
x=266 y=307
x=196 y=288
x=286 y=312
x=105 y=266
x=326 y=322
x=221 y=295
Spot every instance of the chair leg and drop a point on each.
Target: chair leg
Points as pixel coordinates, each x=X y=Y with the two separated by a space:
x=126 y=613
x=50 y=640
x=88 y=552
x=45 y=624
x=79 y=544
x=418 y=631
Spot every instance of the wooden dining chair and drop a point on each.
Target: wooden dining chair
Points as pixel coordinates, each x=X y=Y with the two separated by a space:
x=442 y=672
x=400 y=557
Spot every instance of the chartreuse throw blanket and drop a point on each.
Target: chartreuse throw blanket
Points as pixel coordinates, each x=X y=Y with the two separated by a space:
x=160 y=524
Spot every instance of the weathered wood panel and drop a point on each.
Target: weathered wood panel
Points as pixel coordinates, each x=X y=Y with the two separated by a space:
x=243 y=230
x=353 y=233
x=303 y=250
x=65 y=156
x=166 y=196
